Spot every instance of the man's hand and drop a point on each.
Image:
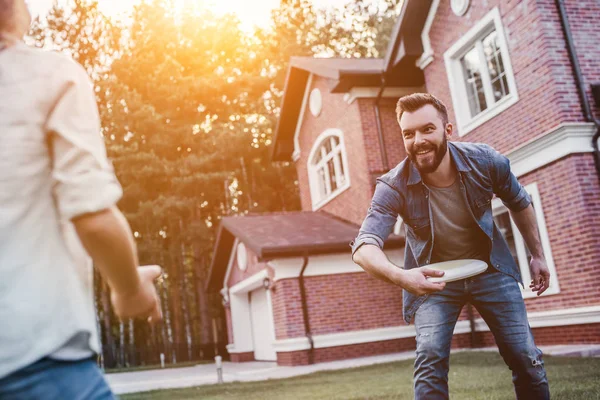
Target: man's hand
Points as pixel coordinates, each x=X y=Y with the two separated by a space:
x=142 y=302
x=540 y=275
x=416 y=282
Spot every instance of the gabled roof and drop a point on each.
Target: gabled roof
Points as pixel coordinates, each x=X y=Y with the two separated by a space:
x=279 y=235
x=397 y=68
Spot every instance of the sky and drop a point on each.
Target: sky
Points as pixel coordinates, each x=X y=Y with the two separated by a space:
x=250 y=12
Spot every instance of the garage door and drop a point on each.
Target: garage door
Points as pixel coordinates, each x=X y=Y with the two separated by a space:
x=262 y=331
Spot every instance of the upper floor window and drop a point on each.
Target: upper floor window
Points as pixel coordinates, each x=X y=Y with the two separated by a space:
x=516 y=243
x=480 y=74
x=328 y=168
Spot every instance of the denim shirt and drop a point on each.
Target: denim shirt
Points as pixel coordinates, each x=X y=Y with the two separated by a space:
x=483 y=172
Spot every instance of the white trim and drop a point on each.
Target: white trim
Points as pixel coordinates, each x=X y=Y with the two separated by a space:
x=542 y=319
x=346 y=338
x=296 y=153
x=229 y=266
x=372 y=92
x=552 y=318
x=465 y=123
x=315 y=102
x=240 y=312
x=554 y=288
x=322 y=265
x=559 y=142
x=271 y=315
x=250 y=284
x=313 y=179
x=427 y=56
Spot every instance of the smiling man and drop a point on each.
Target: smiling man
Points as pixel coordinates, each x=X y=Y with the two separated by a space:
x=443 y=193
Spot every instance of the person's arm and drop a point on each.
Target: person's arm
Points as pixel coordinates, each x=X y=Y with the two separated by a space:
x=367 y=248
x=107 y=238
x=527 y=224
x=517 y=200
x=86 y=191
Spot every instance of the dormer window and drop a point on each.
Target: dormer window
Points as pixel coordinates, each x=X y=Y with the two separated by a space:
x=328 y=168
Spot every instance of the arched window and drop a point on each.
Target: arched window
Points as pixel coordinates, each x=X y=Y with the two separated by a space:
x=328 y=168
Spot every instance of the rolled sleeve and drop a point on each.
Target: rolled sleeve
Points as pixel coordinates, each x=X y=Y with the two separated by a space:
x=380 y=219
x=83 y=178
x=505 y=183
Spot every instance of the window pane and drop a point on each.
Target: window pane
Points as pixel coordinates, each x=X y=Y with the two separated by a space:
x=322 y=183
x=317 y=157
x=327 y=146
x=502 y=220
x=495 y=66
x=332 y=179
x=342 y=178
x=472 y=71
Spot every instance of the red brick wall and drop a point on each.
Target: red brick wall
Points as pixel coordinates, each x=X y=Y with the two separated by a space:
x=583 y=19
x=392 y=137
x=346 y=352
x=339 y=303
x=242 y=357
x=570 y=334
x=570 y=195
x=544 y=78
x=287 y=309
x=575 y=334
x=352 y=204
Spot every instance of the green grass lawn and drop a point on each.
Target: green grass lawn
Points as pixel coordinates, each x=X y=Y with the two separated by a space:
x=479 y=375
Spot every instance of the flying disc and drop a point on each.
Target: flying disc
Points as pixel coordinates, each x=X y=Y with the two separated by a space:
x=457 y=269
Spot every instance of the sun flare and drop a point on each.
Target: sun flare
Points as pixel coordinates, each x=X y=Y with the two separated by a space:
x=250 y=13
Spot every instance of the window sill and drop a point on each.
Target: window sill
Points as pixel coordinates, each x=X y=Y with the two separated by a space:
x=316 y=206
x=528 y=294
x=481 y=118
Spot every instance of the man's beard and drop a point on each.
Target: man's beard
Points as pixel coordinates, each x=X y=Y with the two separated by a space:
x=439 y=153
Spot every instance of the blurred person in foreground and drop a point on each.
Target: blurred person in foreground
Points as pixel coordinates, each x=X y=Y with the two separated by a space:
x=443 y=193
x=57 y=209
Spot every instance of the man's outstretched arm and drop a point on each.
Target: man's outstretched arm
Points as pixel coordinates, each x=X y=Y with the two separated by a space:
x=527 y=224
x=367 y=247
x=374 y=261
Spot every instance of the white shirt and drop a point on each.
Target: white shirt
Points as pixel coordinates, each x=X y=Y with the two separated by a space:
x=53 y=167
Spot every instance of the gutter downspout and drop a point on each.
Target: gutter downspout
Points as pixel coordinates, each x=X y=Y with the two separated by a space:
x=305 y=311
x=585 y=105
x=384 y=159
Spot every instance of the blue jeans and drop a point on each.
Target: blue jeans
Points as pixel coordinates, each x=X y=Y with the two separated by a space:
x=49 y=379
x=498 y=299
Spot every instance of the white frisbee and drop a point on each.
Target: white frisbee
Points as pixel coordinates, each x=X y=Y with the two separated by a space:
x=457 y=269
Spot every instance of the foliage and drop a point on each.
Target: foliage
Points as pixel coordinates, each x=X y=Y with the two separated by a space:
x=189 y=102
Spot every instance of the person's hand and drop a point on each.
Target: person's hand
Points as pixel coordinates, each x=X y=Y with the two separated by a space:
x=540 y=275
x=416 y=282
x=143 y=302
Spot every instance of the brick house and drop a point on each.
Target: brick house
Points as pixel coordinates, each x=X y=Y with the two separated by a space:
x=510 y=79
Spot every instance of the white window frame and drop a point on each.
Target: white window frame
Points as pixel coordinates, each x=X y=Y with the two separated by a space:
x=313 y=178
x=456 y=79
x=554 y=288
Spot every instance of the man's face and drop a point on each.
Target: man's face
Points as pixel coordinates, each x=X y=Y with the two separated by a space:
x=425 y=138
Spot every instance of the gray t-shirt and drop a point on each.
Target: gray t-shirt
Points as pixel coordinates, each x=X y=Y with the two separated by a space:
x=456 y=234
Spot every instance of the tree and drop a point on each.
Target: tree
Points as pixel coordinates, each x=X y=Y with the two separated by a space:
x=188 y=104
